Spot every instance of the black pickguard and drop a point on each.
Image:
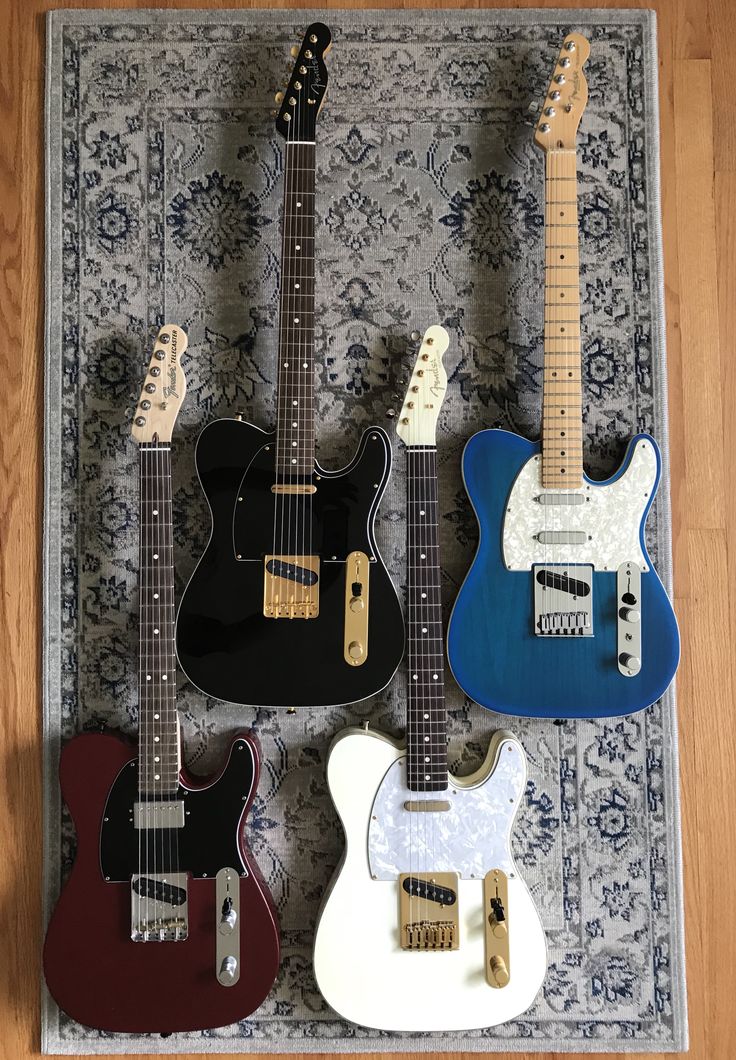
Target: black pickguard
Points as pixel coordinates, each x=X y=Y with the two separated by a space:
x=209 y=839
x=225 y=644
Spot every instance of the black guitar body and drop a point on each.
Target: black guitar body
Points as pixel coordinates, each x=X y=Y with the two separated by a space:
x=226 y=645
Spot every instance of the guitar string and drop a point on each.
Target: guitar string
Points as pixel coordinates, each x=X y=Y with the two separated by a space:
x=142 y=669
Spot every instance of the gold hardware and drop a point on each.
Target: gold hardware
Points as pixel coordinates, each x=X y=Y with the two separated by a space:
x=279 y=98
x=313 y=38
x=496 y=917
x=357 y=576
x=293 y=488
x=291 y=586
x=294 y=50
x=297 y=85
x=425 y=921
x=307 y=54
x=430 y=806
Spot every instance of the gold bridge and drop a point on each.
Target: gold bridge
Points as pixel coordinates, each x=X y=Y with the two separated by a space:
x=429 y=911
x=291 y=587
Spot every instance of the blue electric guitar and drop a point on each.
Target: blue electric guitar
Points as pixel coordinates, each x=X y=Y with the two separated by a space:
x=562 y=614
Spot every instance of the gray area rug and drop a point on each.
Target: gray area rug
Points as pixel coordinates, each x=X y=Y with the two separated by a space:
x=164 y=185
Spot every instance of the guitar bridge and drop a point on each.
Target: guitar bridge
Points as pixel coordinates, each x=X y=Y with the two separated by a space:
x=159 y=907
x=291 y=587
x=563 y=600
x=428 y=911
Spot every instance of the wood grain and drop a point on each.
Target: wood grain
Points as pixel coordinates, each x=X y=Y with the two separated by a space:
x=697 y=60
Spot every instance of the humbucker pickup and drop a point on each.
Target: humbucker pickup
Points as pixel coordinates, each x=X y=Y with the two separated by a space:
x=159 y=814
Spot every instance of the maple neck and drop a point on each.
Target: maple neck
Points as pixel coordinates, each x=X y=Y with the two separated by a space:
x=159 y=728
x=562 y=424
x=295 y=399
x=426 y=729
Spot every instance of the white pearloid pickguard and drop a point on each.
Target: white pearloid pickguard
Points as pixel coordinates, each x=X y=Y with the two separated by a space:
x=470 y=838
x=610 y=517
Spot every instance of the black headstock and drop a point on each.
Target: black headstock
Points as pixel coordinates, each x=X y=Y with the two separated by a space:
x=300 y=104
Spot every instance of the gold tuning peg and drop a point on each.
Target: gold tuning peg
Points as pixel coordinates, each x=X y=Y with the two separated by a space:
x=279 y=97
x=294 y=51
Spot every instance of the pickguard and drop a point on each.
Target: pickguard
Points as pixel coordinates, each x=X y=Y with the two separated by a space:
x=603 y=530
x=470 y=838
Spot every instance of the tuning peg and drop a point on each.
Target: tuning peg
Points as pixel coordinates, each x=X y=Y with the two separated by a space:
x=279 y=98
x=294 y=51
x=415 y=336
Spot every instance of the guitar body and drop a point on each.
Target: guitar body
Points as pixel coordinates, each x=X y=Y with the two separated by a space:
x=93 y=969
x=360 y=966
x=496 y=656
x=225 y=643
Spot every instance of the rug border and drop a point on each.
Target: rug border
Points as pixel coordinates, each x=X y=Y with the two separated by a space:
x=51 y=1043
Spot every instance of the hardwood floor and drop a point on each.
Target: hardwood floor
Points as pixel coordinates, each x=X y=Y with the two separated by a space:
x=699 y=205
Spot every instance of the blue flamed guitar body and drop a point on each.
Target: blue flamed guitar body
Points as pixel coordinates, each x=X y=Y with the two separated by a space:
x=495 y=655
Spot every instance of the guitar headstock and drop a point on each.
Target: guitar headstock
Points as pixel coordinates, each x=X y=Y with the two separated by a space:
x=566 y=97
x=418 y=419
x=164 y=388
x=301 y=102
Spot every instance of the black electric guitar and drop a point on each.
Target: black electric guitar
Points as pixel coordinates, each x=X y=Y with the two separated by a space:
x=291 y=604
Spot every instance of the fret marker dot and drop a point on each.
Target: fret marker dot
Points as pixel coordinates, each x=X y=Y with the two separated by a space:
x=294 y=444
x=295 y=402
x=286 y=364
x=426 y=717
x=298 y=204
x=155 y=555
x=422 y=555
x=156 y=776
x=155 y=596
x=295 y=424
x=424 y=629
x=156 y=739
x=296 y=285
x=157 y=716
x=293 y=461
x=305 y=364
x=155 y=511
x=426 y=776
x=156 y=758
x=296 y=320
x=421 y=513
x=415 y=677
x=427 y=758
x=165 y=677
x=156 y=632
x=424 y=596
x=434 y=677
x=426 y=739
x=148 y=677
x=297 y=247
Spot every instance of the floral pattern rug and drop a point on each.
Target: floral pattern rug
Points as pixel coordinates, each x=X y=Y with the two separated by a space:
x=164 y=195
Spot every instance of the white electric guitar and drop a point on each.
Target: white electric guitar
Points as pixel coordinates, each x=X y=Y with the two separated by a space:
x=428 y=925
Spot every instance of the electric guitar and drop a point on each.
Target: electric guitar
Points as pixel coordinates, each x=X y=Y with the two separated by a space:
x=428 y=925
x=291 y=604
x=562 y=614
x=165 y=924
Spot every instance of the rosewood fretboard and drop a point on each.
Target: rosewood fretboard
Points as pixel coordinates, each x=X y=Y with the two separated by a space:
x=426 y=715
x=295 y=401
x=159 y=733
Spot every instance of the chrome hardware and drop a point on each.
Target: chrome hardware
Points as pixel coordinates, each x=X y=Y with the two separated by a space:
x=560 y=498
x=544 y=127
x=564 y=63
x=165 y=338
x=150 y=388
x=550 y=112
x=145 y=405
x=155 y=372
x=533 y=107
x=227 y=909
x=160 y=354
x=140 y=421
x=561 y=537
x=159 y=814
x=415 y=336
x=159 y=907
x=563 y=600
x=554 y=96
x=559 y=79
x=570 y=46
x=628 y=622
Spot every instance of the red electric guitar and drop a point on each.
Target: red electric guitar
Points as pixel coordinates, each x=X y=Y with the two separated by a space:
x=165 y=923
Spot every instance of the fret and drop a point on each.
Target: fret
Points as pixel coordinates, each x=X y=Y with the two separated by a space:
x=562 y=399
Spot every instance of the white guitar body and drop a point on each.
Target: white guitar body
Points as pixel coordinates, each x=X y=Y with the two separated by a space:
x=360 y=967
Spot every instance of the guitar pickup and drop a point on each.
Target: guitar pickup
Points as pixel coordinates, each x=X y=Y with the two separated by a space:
x=151 y=920
x=563 y=600
x=357 y=575
x=429 y=911
x=291 y=587
x=152 y=814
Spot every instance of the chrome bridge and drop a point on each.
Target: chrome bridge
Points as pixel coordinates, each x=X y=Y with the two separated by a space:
x=563 y=600
x=159 y=907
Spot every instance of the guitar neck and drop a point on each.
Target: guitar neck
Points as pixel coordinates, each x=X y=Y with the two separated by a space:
x=426 y=730
x=562 y=423
x=159 y=729
x=295 y=401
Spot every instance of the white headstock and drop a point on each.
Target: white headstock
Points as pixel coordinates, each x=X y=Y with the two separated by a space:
x=418 y=419
x=164 y=388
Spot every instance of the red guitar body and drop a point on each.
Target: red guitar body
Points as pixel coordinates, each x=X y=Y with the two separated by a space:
x=95 y=972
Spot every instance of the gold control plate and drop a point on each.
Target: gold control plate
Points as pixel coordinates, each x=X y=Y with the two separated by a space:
x=425 y=921
x=496 y=922
x=357 y=576
x=291 y=586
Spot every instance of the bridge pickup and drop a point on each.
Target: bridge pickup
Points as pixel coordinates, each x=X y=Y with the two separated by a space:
x=429 y=911
x=159 y=814
x=291 y=587
x=562 y=537
x=159 y=907
x=563 y=600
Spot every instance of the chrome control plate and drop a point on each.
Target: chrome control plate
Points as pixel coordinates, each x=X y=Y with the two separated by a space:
x=628 y=619
x=227 y=933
